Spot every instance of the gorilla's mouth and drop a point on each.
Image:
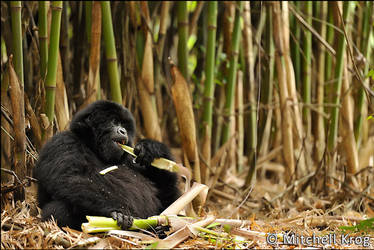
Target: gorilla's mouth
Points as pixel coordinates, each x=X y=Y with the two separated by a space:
x=120 y=141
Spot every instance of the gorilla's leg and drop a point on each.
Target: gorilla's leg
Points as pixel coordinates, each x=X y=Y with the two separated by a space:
x=61 y=213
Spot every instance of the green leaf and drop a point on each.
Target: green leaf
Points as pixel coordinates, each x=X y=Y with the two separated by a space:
x=363 y=226
x=371 y=74
x=191 y=41
x=191 y=6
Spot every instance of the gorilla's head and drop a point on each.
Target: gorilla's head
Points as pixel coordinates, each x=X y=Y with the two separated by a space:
x=102 y=125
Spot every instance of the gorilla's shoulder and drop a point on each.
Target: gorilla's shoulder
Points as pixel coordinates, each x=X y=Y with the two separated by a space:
x=60 y=142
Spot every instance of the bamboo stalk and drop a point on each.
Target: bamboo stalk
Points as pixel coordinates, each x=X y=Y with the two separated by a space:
x=249 y=75
x=209 y=86
x=366 y=49
x=333 y=129
x=307 y=70
x=288 y=153
x=296 y=50
x=231 y=82
x=319 y=129
x=330 y=39
x=43 y=36
x=15 y=8
x=164 y=17
x=17 y=102
x=182 y=38
x=299 y=147
x=110 y=51
x=93 y=85
x=88 y=19
x=195 y=17
x=50 y=82
x=240 y=122
x=267 y=88
x=186 y=122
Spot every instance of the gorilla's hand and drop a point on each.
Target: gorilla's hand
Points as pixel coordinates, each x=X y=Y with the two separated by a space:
x=123 y=221
x=147 y=150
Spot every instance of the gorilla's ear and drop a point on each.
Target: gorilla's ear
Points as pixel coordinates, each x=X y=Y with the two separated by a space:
x=80 y=124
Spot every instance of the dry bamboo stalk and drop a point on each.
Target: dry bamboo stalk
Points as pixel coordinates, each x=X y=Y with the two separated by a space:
x=35 y=126
x=146 y=93
x=288 y=151
x=251 y=95
x=18 y=108
x=291 y=85
x=346 y=118
x=61 y=102
x=320 y=126
x=93 y=72
x=240 y=121
x=186 y=120
x=195 y=17
x=6 y=129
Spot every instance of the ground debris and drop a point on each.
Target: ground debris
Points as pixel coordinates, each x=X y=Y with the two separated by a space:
x=21 y=230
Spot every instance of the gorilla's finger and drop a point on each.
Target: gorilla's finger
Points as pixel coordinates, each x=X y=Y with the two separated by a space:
x=137 y=149
x=127 y=222
x=120 y=220
x=114 y=215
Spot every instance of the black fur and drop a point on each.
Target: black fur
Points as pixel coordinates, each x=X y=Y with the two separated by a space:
x=70 y=186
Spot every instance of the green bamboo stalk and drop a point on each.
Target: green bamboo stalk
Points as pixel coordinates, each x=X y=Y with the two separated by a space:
x=267 y=88
x=340 y=52
x=43 y=37
x=330 y=39
x=183 y=38
x=365 y=47
x=110 y=51
x=307 y=69
x=88 y=17
x=296 y=50
x=230 y=89
x=50 y=82
x=209 y=82
x=16 y=7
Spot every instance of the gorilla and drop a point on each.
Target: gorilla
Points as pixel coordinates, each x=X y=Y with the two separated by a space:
x=71 y=187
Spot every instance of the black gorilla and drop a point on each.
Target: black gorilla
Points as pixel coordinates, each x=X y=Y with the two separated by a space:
x=71 y=187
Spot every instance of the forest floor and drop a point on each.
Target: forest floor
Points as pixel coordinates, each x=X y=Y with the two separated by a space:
x=274 y=223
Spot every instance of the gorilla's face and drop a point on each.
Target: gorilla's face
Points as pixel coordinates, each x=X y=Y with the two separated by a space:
x=104 y=125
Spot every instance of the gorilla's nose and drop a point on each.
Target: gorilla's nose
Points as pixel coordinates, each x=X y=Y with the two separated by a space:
x=122 y=131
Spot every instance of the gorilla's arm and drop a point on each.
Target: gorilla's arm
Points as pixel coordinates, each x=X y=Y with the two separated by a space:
x=147 y=150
